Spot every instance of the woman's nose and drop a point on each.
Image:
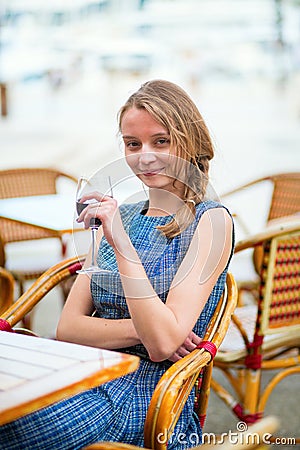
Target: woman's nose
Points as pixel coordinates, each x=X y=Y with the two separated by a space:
x=147 y=156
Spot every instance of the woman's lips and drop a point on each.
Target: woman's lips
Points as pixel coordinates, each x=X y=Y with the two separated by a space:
x=151 y=173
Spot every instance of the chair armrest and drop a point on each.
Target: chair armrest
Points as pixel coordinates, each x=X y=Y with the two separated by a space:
x=243 y=186
x=40 y=288
x=277 y=230
x=171 y=393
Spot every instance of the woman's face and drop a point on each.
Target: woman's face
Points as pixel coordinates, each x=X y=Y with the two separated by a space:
x=147 y=150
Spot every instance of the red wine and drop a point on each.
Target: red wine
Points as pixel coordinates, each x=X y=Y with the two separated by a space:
x=80 y=207
x=94 y=222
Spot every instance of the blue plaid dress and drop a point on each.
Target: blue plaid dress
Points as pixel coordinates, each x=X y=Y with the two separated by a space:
x=116 y=411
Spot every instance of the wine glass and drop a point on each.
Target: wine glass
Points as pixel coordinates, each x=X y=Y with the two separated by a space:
x=82 y=188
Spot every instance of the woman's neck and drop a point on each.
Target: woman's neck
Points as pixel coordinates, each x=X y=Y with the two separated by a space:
x=163 y=203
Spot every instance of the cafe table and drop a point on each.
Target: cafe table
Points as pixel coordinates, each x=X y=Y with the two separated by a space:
x=37 y=372
x=39 y=217
x=51 y=212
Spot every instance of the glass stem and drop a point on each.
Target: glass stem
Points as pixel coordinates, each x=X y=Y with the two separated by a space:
x=94 y=232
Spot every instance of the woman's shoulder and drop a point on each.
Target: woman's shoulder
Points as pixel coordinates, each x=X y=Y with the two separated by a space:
x=206 y=205
x=212 y=205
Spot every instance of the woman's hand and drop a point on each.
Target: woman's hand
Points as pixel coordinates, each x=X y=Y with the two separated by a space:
x=187 y=347
x=104 y=208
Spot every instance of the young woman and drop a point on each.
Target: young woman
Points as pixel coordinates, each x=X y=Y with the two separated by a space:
x=165 y=266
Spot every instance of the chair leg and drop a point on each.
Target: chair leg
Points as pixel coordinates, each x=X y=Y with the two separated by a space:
x=252 y=389
x=246 y=409
x=223 y=394
x=202 y=402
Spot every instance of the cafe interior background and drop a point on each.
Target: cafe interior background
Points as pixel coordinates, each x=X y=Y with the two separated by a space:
x=68 y=65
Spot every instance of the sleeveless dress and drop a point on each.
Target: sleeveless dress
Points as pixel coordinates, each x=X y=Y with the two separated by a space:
x=116 y=411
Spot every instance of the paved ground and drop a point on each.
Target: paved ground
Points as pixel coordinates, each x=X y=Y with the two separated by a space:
x=283 y=403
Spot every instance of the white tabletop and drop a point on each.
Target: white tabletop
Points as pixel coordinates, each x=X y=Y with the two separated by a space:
x=35 y=372
x=55 y=212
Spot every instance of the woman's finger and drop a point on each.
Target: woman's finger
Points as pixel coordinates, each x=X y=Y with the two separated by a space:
x=175 y=357
x=189 y=344
x=194 y=338
x=89 y=211
x=96 y=195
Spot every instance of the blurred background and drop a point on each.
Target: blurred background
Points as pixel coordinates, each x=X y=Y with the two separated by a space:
x=66 y=66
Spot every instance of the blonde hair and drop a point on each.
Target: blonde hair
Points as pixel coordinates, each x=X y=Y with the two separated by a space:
x=171 y=106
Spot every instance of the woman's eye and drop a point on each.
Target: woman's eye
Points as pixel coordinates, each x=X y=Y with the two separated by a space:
x=163 y=141
x=132 y=144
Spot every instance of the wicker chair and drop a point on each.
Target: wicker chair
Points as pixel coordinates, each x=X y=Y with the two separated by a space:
x=22 y=183
x=256 y=437
x=264 y=336
x=285 y=197
x=6 y=289
x=284 y=203
x=178 y=381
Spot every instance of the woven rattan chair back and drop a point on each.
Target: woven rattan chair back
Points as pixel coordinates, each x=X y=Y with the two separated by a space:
x=284 y=203
x=31 y=181
x=23 y=182
x=265 y=336
x=279 y=292
x=286 y=195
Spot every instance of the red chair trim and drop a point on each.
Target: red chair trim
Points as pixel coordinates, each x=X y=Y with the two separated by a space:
x=5 y=326
x=209 y=346
x=74 y=267
x=202 y=419
x=247 y=418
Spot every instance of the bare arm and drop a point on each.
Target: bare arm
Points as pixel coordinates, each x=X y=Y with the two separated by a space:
x=161 y=327
x=77 y=325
